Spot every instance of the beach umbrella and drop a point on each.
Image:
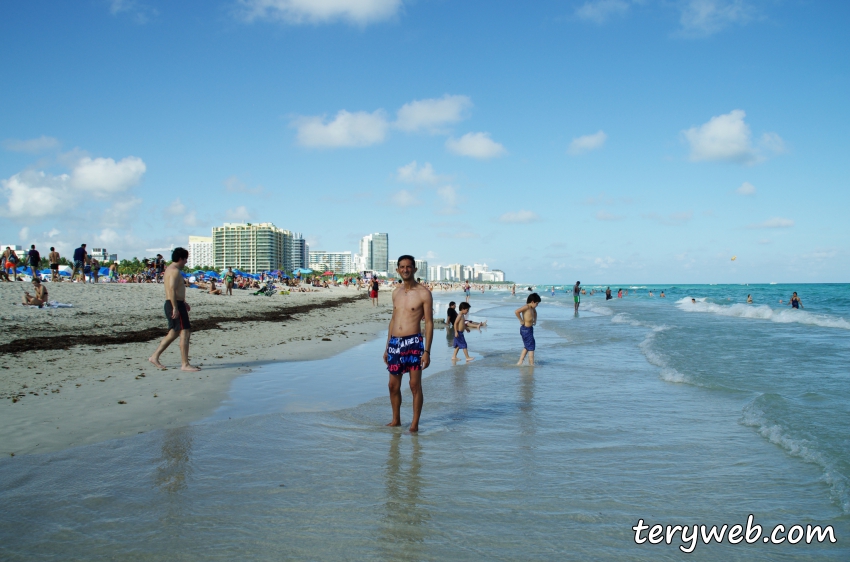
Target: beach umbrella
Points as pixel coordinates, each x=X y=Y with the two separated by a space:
x=103 y=271
x=64 y=273
x=328 y=273
x=303 y=270
x=212 y=274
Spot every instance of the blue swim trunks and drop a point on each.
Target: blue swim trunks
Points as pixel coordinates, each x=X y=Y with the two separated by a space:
x=527 y=334
x=460 y=341
x=404 y=354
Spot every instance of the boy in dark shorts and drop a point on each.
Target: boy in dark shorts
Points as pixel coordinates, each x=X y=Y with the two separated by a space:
x=527 y=316
x=460 y=326
x=176 y=312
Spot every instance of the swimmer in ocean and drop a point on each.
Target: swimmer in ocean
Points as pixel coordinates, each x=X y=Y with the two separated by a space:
x=749 y=299
x=795 y=301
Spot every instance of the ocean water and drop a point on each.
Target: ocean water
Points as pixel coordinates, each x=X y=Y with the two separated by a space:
x=665 y=410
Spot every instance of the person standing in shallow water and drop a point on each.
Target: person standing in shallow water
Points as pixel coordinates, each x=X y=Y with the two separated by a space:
x=577 y=295
x=408 y=351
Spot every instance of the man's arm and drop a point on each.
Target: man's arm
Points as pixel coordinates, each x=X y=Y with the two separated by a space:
x=175 y=313
x=428 y=308
x=519 y=312
x=389 y=329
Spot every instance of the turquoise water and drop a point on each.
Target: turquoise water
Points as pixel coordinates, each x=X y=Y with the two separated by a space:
x=660 y=409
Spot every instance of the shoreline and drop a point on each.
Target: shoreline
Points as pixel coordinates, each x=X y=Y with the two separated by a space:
x=84 y=377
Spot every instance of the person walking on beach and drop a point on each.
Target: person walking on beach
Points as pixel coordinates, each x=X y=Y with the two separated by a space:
x=176 y=311
x=407 y=350
x=79 y=262
x=373 y=291
x=795 y=301
x=527 y=316
x=460 y=327
x=11 y=262
x=34 y=260
x=577 y=294
x=53 y=258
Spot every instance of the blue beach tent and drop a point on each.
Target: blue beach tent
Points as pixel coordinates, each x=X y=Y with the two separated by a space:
x=212 y=274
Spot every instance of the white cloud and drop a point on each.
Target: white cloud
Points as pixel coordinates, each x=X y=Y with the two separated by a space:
x=746 y=189
x=521 y=217
x=32 y=194
x=239 y=214
x=405 y=198
x=605 y=262
x=450 y=199
x=104 y=175
x=476 y=145
x=233 y=185
x=32 y=145
x=413 y=173
x=606 y=216
x=359 y=12
x=141 y=12
x=189 y=217
x=582 y=145
x=430 y=255
x=119 y=212
x=53 y=233
x=705 y=17
x=24 y=234
x=432 y=114
x=347 y=129
x=598 y=11
x=775 y=222
x=727 y=138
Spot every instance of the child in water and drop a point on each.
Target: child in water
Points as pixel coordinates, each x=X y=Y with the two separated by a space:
x=460 y=326
x=527 y=316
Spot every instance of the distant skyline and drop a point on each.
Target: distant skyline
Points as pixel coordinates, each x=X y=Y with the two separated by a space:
x=644 y=141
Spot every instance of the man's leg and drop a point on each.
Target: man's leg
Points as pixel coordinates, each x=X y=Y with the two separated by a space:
x=163 y=345
x=184 y=351
x=522 y=356
x=418 y=398
x=395 y=399
x=531 y=358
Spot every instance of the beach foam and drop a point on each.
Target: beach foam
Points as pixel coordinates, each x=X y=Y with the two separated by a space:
x=763 y=312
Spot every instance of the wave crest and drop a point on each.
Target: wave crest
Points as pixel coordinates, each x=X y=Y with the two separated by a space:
x=763 y=312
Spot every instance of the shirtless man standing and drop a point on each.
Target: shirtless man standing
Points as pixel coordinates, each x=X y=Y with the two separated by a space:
x=176 y=311
x=53 y=258
x=407 y=350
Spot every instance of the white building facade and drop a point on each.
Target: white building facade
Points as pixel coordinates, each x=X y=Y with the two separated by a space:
x=200 y=252
x=338 y=262
x=374 y=249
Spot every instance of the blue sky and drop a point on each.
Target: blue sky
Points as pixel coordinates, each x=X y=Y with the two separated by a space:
x=604 y=140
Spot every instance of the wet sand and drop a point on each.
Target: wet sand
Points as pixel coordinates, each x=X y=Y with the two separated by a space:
x=80 y=375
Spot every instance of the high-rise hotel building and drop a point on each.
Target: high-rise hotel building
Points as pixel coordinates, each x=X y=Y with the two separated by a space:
x=200 y=252
x=257 y=247
x=374 y=249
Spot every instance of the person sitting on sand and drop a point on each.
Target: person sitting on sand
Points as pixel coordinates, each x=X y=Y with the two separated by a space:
x=40 y=297
x=213 y=290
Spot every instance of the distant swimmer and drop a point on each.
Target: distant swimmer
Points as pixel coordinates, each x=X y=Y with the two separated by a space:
x=694 y=301
x=749 y=299
x=553 y=290
x=527 y=316
x=619 y=293
x=650 y=293
x=608 y=296
x=577 y=295
x=513 y=289
x=795 y=301
x=663 y=295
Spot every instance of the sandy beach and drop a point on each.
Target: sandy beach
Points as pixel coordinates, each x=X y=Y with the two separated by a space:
x=80 y=375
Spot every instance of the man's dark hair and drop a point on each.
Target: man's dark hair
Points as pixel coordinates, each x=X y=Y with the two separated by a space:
x=533 y=297
x=452 y=303
x=52 y=249
x=82 y=245
x=407 y=257
x=33 y=246
x=464 y=306
x=179 y=253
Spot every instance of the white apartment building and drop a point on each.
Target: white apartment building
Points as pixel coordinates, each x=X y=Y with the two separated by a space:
x=200 y=252
x=374 y=248
x=338 y=262
x=249 y=247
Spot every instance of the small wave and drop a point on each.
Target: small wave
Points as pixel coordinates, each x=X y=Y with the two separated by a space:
x=763 y=312
x=668 y=373
x=755 y=416
x=603 y=310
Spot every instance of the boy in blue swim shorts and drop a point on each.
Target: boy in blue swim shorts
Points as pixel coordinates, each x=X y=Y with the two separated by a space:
x=460 y=327
x=527 y=316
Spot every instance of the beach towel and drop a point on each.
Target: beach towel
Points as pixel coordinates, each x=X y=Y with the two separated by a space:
x=48 y=304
